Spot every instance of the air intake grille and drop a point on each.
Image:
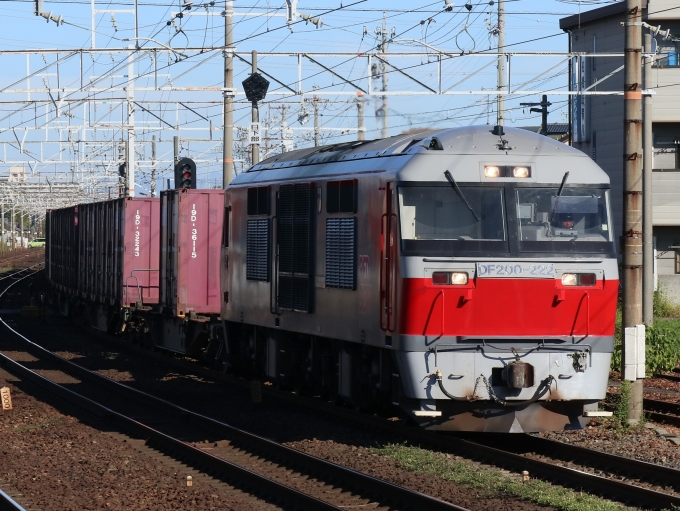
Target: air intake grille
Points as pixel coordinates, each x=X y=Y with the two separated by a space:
x=294 y=230
x=257 y=250
x=341 y=253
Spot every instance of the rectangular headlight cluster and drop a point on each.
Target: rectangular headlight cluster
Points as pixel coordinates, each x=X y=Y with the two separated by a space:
x=579 y=279
x=445 y=278
x=519 y=171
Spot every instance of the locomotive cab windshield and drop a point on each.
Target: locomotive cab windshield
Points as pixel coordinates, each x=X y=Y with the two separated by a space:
x=503 y=218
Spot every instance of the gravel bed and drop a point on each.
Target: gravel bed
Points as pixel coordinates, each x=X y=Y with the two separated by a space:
x=58 y=463
x=325 y=437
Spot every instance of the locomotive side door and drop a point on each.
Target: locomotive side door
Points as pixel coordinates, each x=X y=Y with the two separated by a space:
x=388 y=259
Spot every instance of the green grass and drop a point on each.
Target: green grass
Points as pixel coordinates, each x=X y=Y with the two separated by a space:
x=492 y=482
x=663 y=338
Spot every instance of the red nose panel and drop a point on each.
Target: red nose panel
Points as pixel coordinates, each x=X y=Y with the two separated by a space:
x=507 y=307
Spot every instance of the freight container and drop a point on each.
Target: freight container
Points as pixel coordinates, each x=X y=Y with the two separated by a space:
x=106 y=252
x=119 y=251
x=62 y=248
x=191 y=236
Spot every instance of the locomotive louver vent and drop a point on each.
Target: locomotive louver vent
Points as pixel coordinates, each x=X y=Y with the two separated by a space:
x=257 y=250
x=341 y=253
x=294 y=234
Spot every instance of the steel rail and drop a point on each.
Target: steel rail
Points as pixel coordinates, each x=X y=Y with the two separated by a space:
x=7 y=503
x=662 y=411
x=390 y=493
x=639 y=469
x=471 y=449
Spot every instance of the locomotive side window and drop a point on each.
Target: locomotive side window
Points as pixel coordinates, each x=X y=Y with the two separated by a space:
x=225 y=227
x=439 y=213
x=552 y=222
x=258 y=200
x=341 y=196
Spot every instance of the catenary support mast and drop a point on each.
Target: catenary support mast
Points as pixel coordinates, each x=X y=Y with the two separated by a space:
x=632 y=187
x=647 y=226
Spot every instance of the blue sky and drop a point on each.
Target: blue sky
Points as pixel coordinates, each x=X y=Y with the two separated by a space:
x=531 y=26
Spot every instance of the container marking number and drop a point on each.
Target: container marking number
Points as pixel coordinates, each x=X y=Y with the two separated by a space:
x=194 y=232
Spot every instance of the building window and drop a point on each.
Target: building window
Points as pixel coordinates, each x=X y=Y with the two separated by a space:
x=594 y=51
x=258 y=200
x=594 y=147
x=341 y=253
x=341 y=196
x=257 y=249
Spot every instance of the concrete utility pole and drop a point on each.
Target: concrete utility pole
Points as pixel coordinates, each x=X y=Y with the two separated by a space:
x=632 y=188
x=360 y=120
x=647 y=226
x=284 y=126
x=153 y=166
x=228 y=107
x=501 y=63
x=175 y=148
x=315 y=102
x=256 y=114
x=129 y=94
x=13 y=226
x=383 y=66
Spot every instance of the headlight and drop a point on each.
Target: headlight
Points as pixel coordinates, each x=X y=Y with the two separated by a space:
x=569 y=279
x=492 y=171
x=459 y=278
x=521 y=172
x=579 y=279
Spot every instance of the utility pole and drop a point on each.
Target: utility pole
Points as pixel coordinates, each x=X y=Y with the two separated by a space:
x=13 y=226
x=228 y=107
x=647 y=227
x=501 y=63
x=255 y=148
x=315 y=102
x=175 y=148
x=360 y=120
x=632 y=188
x=284 y=126
x=2 y=225
x=544 y=104
x=129 y=94
x=383 y=66
x=21 y=238
x=153 y=166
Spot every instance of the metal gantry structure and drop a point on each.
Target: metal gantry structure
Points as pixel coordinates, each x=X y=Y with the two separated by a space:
x=100 y=122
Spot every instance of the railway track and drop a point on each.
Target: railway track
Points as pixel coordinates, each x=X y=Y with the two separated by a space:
x=278 y=473
x=623 y=479
x=12 y=259
x=7 y=503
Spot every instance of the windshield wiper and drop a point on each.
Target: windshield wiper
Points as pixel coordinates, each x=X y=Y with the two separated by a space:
x=557 y=198
x=449 y=177
x=557 y=201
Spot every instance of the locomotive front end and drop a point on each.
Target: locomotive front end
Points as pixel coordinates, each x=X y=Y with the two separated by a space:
x=508 y=284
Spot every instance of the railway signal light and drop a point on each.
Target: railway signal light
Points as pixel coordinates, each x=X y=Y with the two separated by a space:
x=185 y=173
x=255 y=87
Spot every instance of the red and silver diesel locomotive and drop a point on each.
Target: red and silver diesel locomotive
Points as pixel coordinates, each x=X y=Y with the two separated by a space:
x=468 y=275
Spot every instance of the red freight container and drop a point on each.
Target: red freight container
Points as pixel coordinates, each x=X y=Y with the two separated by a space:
x=191 y=238
x=119 y=251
